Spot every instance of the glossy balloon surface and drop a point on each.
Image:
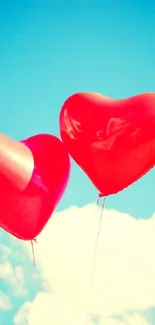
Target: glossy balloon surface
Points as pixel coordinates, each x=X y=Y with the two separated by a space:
x=25 y=213
x=113 y=141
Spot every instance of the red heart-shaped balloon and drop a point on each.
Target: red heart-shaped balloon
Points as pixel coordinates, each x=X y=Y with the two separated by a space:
x=113 y=141
x=25 y=213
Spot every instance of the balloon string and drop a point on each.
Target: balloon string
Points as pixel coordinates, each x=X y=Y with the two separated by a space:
x=97 y=240
x=88 y=318
x=33 y=253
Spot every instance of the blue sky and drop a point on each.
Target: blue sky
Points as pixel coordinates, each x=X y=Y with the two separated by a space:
x=50 y=50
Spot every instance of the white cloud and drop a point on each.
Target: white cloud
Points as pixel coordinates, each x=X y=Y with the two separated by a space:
x=5 y=252
x=5 y=303
x=129 y=320
x=113 y=322
x=136 y=319
x=49 y=309
x=22 y=317
x=14 y=277
x=124 y=274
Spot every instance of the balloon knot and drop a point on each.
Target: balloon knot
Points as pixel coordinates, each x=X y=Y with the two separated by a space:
x=100 y=195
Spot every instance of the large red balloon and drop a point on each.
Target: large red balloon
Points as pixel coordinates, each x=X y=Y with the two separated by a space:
x=113 y=141
x=25 y=213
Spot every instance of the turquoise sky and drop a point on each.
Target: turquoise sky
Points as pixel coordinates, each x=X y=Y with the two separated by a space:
x=50 y=50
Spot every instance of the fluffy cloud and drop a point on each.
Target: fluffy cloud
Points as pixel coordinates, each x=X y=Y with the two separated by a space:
x=135 y=319
x=22 y=317
x=5 y=251
x=129 y=320
x=124 y=274
x=54 y=310
x=5 y=303
x=14 y=277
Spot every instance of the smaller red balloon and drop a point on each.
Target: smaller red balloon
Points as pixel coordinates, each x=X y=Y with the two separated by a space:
x=25 y=213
